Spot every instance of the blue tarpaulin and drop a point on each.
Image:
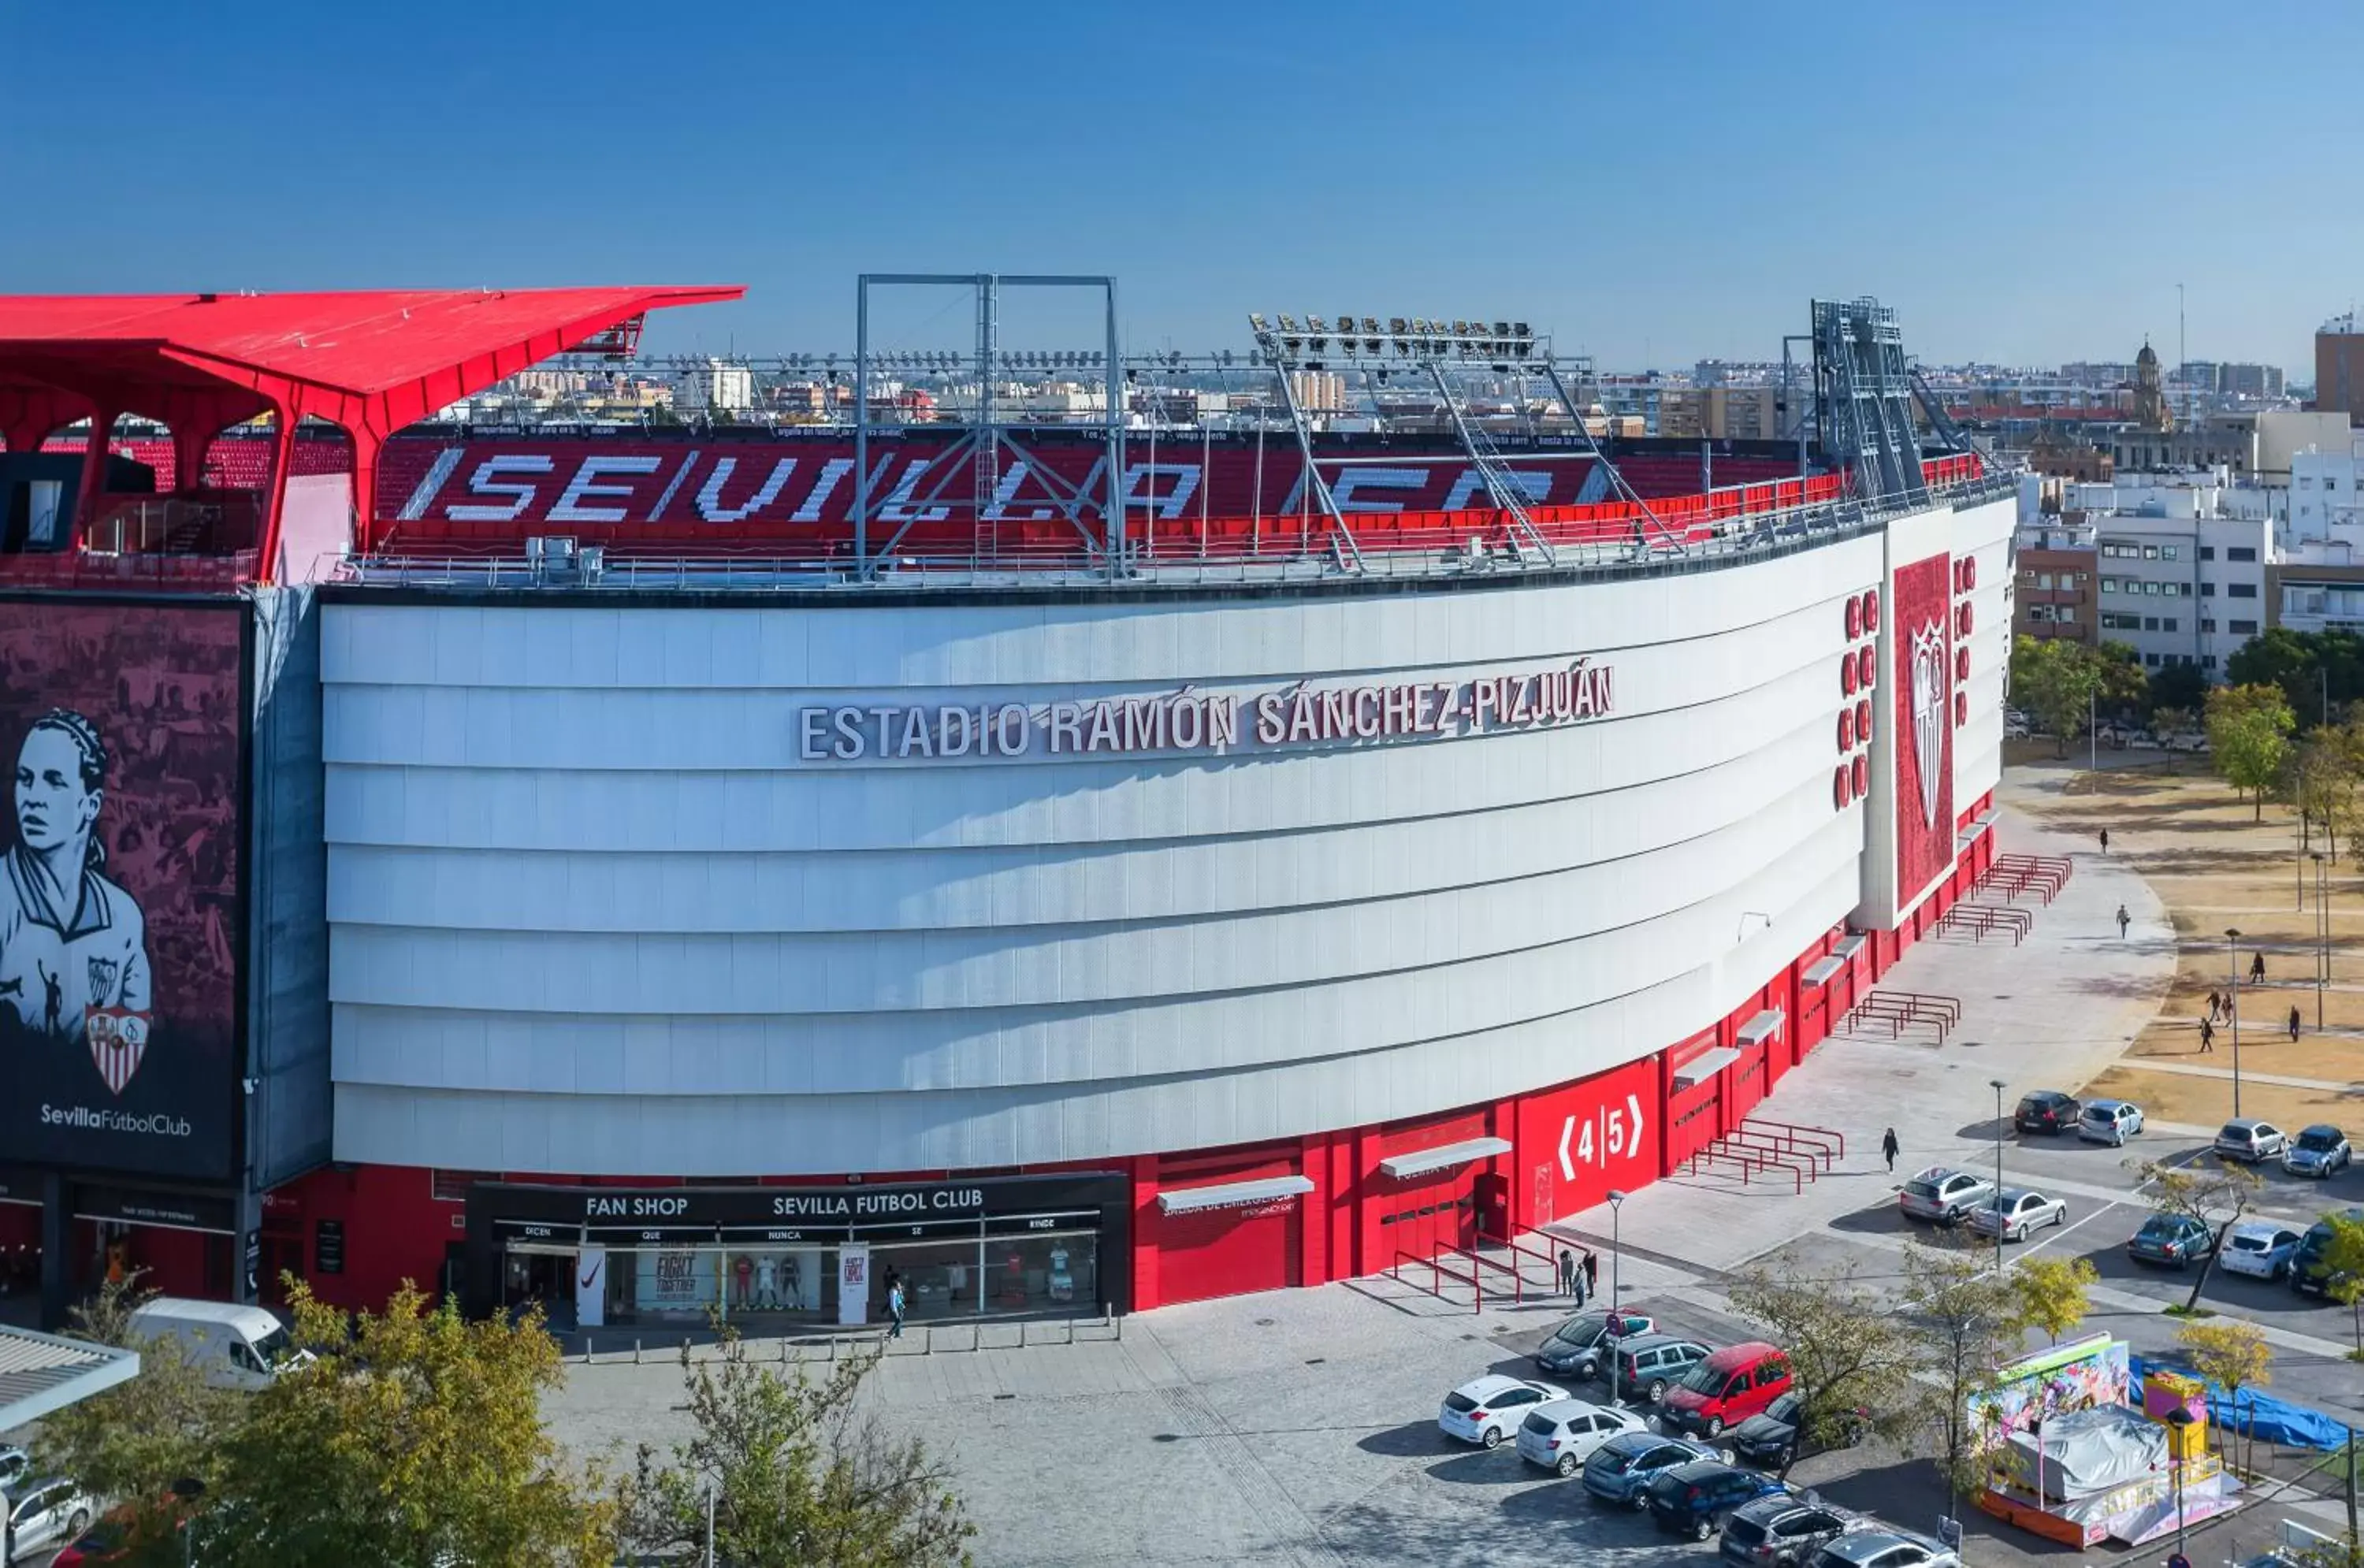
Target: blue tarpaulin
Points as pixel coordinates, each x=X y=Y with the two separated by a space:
x=2261 y=1414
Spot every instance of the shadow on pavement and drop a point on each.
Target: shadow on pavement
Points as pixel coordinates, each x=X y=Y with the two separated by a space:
x=1503 y=1467
x=1417 y=1440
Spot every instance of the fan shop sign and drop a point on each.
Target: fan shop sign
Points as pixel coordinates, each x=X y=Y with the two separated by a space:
x=1190 y=720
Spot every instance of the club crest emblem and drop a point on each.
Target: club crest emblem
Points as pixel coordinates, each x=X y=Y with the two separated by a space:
x=103 y=972
x=1929 y=712
x=116 y=1046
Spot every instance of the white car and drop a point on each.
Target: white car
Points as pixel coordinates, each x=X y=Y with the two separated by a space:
x=2014 y=1211
x=1488 y=1409
x=46 y=1515
x=1561 y=1434
x=2262 y=1248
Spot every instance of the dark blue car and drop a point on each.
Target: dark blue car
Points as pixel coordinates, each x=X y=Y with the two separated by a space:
x=1692 y=1500
x=1622 y=1469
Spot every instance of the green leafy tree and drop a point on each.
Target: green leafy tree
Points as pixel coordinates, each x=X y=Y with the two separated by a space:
x=2052 y=1292
x=1966 y=1324
x=414 y=1438
x=2248 y=733
x=2176 y=689
x=2211 y=1191
x=799 y=1473
x=2232 y=1354
x=2121 y=686
x=2342 y=1266
x=2058 y=683
x=2308 y=667
x=1851 y=1359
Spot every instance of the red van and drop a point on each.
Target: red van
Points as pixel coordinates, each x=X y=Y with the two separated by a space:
x=1725 y=1389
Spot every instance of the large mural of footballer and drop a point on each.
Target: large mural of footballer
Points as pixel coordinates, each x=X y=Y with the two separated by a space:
x=122 y=727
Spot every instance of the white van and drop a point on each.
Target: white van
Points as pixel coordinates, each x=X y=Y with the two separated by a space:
x=236 y=1347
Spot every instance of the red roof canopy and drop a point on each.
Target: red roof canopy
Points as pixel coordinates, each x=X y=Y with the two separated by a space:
x=372 y=362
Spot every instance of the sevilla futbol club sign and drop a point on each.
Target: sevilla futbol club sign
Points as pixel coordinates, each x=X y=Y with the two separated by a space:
x=1922 y=687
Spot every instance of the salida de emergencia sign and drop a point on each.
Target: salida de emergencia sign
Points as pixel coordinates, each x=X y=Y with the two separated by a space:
x=1193 y=721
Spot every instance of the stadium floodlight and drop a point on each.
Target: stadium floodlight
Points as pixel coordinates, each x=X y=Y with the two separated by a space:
x=1287 y=323
x=1255 y=323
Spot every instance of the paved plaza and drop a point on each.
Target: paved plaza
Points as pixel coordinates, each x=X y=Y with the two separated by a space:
x=1299 y=1426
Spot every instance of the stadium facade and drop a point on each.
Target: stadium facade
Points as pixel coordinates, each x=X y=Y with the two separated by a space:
x=1070 y=928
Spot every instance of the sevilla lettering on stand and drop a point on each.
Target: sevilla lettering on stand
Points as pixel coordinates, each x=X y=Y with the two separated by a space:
x=1192 y=721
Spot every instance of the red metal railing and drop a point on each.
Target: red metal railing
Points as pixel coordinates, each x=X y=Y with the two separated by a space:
x=1900 y=1010
x=1438 y=1274
x=1982 y=920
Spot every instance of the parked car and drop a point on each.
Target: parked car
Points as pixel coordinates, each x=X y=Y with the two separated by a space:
x=1621 y=1468
x=1770 y=1437
x=2174 y=1240
x=1488 y=1409
x=1576 y=1346
x=1724 y=1390
x=234 y=1346
x=1884 y=1548
x=2047 y=1111
x=2260 y=1248
x=1781 y=1530
x=48 y=1513
x=2308 y=1273
x=106 y=1541
x=2320 y=1150
x=1649 y=1366
x=2109 y=1121
x=1692 y=1500
x=16 y=1465
x=2247 y=1139
x=1561 y=1434
x=1942 y=1195
x=2011 y=1213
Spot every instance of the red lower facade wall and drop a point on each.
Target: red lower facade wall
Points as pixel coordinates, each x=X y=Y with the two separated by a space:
x=1570 y=1146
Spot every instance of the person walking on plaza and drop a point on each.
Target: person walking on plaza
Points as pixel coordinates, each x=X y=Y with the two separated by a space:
x=2293 y=1026
x=1890 y=1147
x=895 y=1310
x=2124 y=920
x=2207 y=1035
x=1591 y=1273
x=1567 y=1275
x=2256 y=968
x=2215 y=1005
x=2105 y=840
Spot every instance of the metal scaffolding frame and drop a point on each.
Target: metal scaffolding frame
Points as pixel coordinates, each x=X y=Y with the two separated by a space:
x=1863 y=399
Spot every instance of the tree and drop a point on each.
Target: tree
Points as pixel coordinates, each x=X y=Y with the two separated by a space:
x=2057 y=682
x=135 y=1440
x=2177 y=688
x=2052 y=1292
x=2343 y=1267
x=414 y=1438
x=2309 y=667
x=2249 y=730
x=2122 y=687
x=799 y=1473
x=2214 y=1193
x=2318 y=778
x=1850 y=1359
x=1966 y=1325
x=2233 y=1355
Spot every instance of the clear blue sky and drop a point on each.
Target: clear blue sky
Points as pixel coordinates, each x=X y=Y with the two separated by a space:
x=2025 y=181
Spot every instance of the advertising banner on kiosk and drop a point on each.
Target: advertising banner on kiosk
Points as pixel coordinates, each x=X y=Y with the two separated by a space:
x=123 y=727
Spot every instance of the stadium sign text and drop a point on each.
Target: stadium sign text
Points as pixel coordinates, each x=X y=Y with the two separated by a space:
x=1190 y=720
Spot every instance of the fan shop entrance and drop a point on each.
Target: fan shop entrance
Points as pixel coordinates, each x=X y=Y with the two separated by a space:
x=776 y=1259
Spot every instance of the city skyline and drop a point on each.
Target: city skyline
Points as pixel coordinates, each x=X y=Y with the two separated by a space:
x=1652 y=194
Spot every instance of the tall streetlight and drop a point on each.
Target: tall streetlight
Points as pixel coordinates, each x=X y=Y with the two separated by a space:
x=1616 y=1308
x=2321 y=941
x=2180 y=1420
x=2233 y=947
x=1997 y=1085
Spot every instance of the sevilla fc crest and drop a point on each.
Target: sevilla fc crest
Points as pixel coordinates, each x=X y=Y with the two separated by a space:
x=1930 y=713
x=118 y=1038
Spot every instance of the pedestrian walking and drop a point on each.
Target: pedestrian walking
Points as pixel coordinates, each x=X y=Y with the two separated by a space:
x=895 y=1310
x=1591 y=1271
x=2105 y=840
x=2124 y=920
x=2215 y=1003
x=1890 y=1147
x=2256 y=969
x=2293 y=1026
x=1567 y=1275
x=2207 y=1035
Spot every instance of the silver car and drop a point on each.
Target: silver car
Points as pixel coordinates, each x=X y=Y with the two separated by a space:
x=2248 y=1139
x=1884 y=1548
x=49 y=1514
x=1942 y=1195
x=2011 y=1213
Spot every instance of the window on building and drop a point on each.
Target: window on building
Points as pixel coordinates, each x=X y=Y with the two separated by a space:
x=2150 y=552
x=2208 y=590
x=2151 y=588
x=2044 y=579
x=451 y=1186
x=2208 y=660
x=2242 y=628
x=2068 y=615
x=2241 y=552
x=2151 y=660
x=2240 y=590
x=2207 y=552
x=2207 y=625
x=2166 y=551
x=2167 y=623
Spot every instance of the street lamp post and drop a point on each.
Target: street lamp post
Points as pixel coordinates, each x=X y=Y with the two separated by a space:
x=2233 y=947
x=1997 y=1085
x=1616 y=1308
x=2180 y=1420
x=2321 y=941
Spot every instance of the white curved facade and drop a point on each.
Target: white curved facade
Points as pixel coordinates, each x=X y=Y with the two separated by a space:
x=593 y=910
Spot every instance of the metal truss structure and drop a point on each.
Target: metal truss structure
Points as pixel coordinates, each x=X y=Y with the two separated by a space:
x=1863 y=399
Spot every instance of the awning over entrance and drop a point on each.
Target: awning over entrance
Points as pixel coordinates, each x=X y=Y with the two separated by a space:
x=1703 y=1066
x=1421 y=1161
x=40 y=1373
x=1231 y=1194
x=1761 y=1028
x=1822 y=971
x=1849 y=947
